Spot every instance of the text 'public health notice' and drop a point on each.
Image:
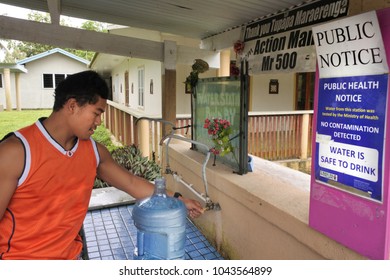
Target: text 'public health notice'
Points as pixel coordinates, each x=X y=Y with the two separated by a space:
x=350 y=133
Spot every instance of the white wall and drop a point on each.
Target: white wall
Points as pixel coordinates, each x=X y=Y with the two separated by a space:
x=188 y=51
x=153 y=70
x=261 y=100
x=152 y=107
x=183 y=100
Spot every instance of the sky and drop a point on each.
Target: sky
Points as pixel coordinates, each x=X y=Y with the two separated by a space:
x=22 y=13
x=16 y=12
x=13 y=11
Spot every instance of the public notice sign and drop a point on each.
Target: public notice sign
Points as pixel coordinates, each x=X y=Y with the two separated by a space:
x=350 y=133
x=352 y=98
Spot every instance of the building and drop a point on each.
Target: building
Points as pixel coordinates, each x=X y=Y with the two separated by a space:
x=36 y=78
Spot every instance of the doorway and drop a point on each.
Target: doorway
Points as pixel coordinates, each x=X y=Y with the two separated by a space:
x=304 y=91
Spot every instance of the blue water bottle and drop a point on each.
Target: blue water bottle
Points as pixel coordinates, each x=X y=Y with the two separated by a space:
x=161 y=226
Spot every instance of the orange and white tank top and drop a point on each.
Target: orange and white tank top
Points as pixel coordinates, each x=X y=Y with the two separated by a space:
x=46 y=212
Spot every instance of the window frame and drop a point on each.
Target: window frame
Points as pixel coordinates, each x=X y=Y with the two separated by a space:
x=55 y=78
x=141 y=86
x=127 y=89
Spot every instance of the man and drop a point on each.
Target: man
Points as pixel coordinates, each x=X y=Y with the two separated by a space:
x=47 y=171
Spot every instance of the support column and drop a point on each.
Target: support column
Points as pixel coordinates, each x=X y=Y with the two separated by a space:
x=168 y=99
x=224 y=69
x=305 y=136
x=7 y=86
x=144 y=136
x=17 y=90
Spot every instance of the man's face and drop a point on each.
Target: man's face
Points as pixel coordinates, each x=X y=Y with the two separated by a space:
x=87 y=118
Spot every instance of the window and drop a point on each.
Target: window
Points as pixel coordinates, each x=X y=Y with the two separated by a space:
x=141 y=86
x=1 y=80
x=127 y=89
x=58 y=78
x=52 y=80
x=48 y=81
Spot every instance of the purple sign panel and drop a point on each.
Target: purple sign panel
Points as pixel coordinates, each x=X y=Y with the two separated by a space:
x=350 y=134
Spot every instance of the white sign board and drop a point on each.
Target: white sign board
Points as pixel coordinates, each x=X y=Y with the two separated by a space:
x=350 y=47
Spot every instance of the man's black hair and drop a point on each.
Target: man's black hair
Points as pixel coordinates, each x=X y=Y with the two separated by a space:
x=86 y=87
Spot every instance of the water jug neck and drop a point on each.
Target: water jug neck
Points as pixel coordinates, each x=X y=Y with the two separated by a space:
x=159 y=187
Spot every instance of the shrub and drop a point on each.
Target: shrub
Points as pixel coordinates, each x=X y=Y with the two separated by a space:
x=103 y=136
x=130 y=157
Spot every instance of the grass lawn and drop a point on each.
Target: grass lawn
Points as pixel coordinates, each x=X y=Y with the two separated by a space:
x=13 y=120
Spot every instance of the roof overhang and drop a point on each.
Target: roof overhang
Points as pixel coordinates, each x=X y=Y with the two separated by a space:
x=14 y=68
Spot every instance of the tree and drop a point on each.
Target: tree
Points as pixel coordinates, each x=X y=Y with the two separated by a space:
x=20 y=49
x=92 y=26
x=13 y=52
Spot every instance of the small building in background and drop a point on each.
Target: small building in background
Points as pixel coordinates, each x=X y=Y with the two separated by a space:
x=43 y=72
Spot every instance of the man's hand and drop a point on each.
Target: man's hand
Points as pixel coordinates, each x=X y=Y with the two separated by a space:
x=194 y=208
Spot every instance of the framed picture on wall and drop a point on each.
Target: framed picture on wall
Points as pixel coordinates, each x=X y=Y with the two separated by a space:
x=273 y=86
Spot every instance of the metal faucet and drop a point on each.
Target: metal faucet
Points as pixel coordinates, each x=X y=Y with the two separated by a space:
x=209 y=204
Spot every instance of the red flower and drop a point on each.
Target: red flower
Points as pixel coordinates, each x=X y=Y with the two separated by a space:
x=220 y=131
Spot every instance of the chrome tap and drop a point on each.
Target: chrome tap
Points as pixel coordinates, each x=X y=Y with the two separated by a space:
x=209 y=205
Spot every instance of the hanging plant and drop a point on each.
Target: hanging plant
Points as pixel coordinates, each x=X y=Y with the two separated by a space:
x=199 y=66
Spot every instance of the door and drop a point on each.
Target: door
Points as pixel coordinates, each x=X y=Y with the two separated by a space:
x=304 y=92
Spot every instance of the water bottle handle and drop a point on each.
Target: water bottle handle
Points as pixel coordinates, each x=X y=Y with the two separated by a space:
x=140 y=243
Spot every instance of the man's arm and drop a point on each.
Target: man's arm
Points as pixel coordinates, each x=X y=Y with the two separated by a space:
x=11 y=168
x=119 y=177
